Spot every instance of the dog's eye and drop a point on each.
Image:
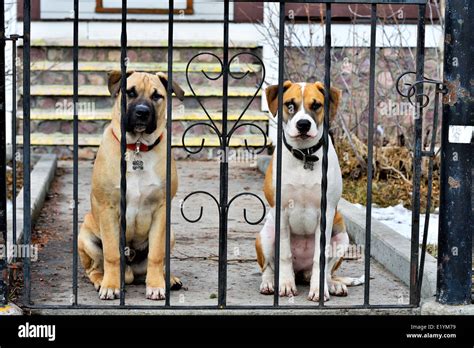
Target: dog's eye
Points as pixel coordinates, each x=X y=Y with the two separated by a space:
x=156 y=96
x=131 y=93
x=315 y=106
x=291 y=107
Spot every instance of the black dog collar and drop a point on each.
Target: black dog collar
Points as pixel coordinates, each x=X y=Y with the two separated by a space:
x=305 y=155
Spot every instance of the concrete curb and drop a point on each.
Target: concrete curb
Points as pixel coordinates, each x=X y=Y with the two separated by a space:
x=388 y=247
x=226 y=312
x=431 y=307
x=41 y=177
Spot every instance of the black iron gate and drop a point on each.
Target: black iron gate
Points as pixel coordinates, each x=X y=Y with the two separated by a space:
x=413 y=92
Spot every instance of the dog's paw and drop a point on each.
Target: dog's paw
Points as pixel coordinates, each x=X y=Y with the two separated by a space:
x=155 y=293
x=96 y=279
x=175 y=283
x=314 y=294
x=266 y=287
x=337 y=288
x=287 y=287
x=109 y=291
x=97 y=285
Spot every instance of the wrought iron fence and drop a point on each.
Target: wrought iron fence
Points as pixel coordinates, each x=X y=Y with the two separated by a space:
x=413 y=92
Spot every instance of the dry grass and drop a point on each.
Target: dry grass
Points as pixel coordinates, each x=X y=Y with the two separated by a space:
x=392 y=178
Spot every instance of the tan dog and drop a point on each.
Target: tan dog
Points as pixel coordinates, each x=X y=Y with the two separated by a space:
x=146 y=191
x=303 y=115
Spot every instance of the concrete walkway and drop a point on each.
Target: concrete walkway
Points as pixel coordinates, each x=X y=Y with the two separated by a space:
x=194 y=258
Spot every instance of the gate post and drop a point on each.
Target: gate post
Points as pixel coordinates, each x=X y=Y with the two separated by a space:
x=455 y=220
x=3 y=167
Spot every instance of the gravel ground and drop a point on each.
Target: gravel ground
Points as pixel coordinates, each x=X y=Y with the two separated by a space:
x=194 y=258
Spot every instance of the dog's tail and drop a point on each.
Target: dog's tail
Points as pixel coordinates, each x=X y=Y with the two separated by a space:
x=340 y=235
x=350 y=281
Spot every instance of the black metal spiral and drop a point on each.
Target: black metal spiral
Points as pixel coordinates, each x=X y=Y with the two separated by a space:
x=410 y=92
x=224 y=209
x=201 y=208
x=256 y=222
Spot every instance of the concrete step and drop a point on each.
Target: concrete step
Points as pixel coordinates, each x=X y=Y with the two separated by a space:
x=95 y=73
x=97 y=127
x=60 y=75
x=179 y=114
x=60 y=139
x=48 y=102
x=102 y=91
x=45 y=65
x=138 y=51
x=97 y=78
x=98 y=97
x=141 y=43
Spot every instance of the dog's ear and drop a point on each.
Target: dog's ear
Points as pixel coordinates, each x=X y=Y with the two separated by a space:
x=334 y=98
x=177 y=90
x=271 y=93
x=114 y=81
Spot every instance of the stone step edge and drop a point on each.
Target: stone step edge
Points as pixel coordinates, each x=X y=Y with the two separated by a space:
x=102 y=91
x=177 y=116
x=94 y=66
x=60 y=139
x=141 y=43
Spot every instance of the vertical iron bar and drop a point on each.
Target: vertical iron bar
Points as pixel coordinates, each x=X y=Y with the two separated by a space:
x=26 y=147
x=456 y=214
x=123 y=150
x=224 y=170
x=370 y=153
x=14 y=149
x=324 y=181
x=430 y=189
x=281 y=67
x=169 y=124
x=417 y=153
x=76 y=149
x=3 y=161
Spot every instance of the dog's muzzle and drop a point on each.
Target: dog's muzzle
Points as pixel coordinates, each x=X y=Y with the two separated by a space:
x=303 y=126
x=141 y=118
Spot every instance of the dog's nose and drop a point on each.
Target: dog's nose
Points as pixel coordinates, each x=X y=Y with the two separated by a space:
x=142 y=111
x=303 y=126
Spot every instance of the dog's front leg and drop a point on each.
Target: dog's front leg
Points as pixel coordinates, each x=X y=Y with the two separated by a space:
x=109 y=228
x=155 y=281
x=315 y=274
x=287 y=285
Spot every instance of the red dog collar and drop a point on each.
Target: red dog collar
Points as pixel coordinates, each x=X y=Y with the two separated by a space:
x=139 y=146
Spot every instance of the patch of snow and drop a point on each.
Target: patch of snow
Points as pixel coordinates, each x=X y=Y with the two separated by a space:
x=398 y=218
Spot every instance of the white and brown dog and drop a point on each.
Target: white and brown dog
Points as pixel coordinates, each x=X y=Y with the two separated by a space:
x=303 y=115
x=146 y=191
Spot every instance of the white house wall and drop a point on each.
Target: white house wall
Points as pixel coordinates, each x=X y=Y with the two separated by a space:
x=210 y=10
x=343 y=35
